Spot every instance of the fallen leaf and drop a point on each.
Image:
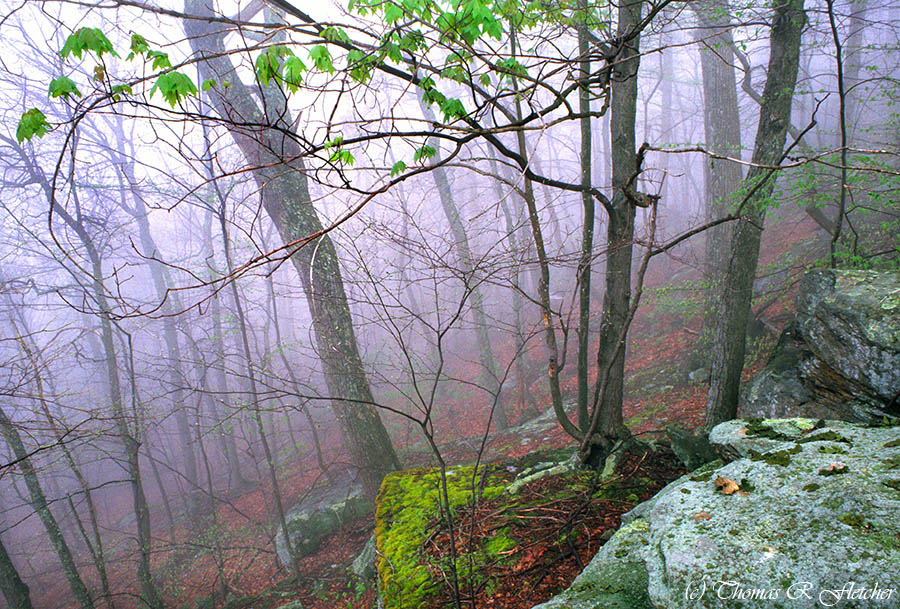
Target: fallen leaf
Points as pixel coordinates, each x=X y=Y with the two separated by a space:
x=701 y=515
x=726 y=486
x=834 y=468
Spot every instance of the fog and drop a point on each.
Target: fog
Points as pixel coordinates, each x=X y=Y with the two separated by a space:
x=265 y=282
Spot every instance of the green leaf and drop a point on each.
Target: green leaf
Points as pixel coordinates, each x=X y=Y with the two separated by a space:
x=268 y=64
x=398 y=168
x=342 y=156
x=292 y=73
x=485 y=80
x=360 y=66
x=333 y=34
x=120 y=90
x=174 y=86
x=425 y=152
x=433 y=96
x=139 y=46
x=335 y=141
x=63 y=87
x=207 y=84
x=33 y=123
x=160 y=60
x=321 y=57
x=87 y=39
x=452 y=108
x=392 y=14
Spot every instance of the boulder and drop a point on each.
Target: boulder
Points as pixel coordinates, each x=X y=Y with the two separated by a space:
x=616 y=577
x=363 y=566
x=805 y=513
x=320 y=513
x=840 y=359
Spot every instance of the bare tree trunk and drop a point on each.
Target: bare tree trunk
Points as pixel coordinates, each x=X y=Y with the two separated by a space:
x=722 y=128
x=620 y=231
x=774 y=121
x=39 y=503
x=15 y=591
x=583 y=275
x=280 y=175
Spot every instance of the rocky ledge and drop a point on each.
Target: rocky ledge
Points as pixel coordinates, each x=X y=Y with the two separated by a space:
x=840 y=358
x=798 y=513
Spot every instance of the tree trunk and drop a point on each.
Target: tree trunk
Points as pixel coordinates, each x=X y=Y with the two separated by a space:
x=15 y=591
x=280 y=175
x=620 y=230
x=774 y=121
x=722 y=128
x=39 y=503
x=583 y=275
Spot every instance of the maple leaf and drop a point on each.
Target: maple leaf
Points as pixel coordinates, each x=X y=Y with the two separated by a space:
x=726 y=486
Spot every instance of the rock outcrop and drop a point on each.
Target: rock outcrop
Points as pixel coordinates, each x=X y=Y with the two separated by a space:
x=840 y=359
x=800 y=513
x=321 y=512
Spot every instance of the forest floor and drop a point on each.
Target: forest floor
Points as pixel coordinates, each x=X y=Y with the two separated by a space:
x=658 y=393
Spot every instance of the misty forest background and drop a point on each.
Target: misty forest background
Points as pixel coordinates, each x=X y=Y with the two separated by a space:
x=250 y=247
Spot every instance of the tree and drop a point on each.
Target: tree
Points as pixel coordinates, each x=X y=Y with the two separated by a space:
x=768 y=153
x=280 y=174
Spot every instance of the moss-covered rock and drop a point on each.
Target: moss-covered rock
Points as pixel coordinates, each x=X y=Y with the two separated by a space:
x=790 y=521
x=408 y=504
x=841 y=358
x=795 y=526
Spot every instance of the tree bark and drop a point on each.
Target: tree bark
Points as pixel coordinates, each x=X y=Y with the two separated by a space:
x=768 y=150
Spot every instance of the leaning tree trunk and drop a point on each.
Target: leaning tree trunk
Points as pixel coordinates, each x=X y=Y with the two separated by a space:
x=737 y=293
x=280 y=175
x=15 y=591
x=39 y=503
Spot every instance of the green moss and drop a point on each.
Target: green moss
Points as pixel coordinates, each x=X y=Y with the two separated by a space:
x=825 y=436
x=811 y=487
x=832 y=450
x=778 y=457
x=892 y=443
x=834 y=471
x=894 y=484
x=853 y=520
x=705 y=473
x=892 y=462
x=757 y=428
x=408 y=503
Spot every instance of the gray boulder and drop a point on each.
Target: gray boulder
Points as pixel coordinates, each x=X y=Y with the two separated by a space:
x=320 y=513
x=616 y=577
x=805 y=514
x=841 y=358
